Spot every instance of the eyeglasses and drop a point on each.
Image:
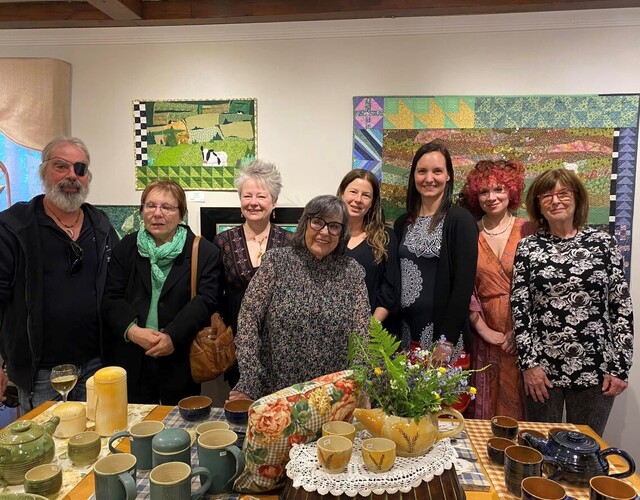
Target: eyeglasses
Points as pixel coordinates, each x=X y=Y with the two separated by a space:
x=498 y=190
x=164 y=208
x=563 y=196
x=76 y=254
x=61 y=165
x=334 y=228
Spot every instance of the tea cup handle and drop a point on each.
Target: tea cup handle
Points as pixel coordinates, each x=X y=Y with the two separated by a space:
x=117 y=435
x=237 y=453
x=201 y=471
x=129 y=485
x=456 y=430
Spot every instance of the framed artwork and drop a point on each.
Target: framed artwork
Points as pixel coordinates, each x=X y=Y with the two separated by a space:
x=215 y=220
x=596 y=136
x=198 y=143
x=125 y=219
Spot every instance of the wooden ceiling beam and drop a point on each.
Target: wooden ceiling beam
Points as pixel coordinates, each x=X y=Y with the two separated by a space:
x=101 y=13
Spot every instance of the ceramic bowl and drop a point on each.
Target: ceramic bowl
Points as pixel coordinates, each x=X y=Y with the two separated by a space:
x=496 y=447
x=194 y=408
x=45 y=480
x=237 y=411
x=504 y=427
x=84 y=448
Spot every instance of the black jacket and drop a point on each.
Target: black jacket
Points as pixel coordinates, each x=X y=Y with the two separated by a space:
x=456 y=273
x=128 y=296
x=21 y=300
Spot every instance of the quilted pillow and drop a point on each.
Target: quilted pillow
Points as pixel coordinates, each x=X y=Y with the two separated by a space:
x=294 y=415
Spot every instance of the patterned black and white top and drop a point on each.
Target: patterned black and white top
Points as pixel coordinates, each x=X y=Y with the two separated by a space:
x=296 y=317
x=572 y=312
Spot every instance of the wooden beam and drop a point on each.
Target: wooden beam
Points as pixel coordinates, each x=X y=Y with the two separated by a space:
x=102 y=13
x=119 y=9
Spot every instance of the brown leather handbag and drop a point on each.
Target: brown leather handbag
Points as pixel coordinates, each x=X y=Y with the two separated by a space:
x=212 y=351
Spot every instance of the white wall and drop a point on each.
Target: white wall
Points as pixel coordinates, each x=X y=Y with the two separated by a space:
x=304 y=76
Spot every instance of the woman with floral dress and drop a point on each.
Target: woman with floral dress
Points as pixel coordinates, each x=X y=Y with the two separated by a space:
x=438 y=254
x=572 y=312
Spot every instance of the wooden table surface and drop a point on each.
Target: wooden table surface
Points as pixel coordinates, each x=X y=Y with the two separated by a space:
x=85 y=488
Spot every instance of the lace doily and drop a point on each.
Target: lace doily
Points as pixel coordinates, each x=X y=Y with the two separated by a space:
x=407 y=473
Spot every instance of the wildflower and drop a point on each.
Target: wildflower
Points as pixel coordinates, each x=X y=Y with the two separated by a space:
x=436 y=395
x=377 y=370
x=473 y=390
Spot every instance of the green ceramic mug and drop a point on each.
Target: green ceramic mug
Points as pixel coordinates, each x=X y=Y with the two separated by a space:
x=217 y=451
x=141 y=435
x=115 y=477
x=173 y=480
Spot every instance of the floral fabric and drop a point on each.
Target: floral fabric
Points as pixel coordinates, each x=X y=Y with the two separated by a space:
x=572 y=312
x=294 y=415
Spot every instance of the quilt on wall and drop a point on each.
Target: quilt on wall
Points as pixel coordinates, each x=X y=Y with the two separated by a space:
x=596 y=136
x=199 y=144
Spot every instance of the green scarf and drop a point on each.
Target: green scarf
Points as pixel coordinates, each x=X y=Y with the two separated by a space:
x=161 y=259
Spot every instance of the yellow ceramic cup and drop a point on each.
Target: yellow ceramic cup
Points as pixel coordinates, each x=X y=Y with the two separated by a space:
x=334 y=453
x=379 y=454
x=339 y=428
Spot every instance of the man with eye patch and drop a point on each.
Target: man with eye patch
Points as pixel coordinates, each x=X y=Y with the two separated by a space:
x=55 y=249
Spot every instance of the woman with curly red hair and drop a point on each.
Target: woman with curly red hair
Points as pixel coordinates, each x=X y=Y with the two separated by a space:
x=493 y=191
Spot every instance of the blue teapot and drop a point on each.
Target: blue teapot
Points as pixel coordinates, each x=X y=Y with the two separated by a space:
x=578 y=455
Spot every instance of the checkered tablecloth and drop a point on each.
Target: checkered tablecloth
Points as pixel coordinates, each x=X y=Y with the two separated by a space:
x=480 y=432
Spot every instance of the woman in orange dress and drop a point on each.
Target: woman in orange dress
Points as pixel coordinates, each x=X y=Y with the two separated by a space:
x=492 y=192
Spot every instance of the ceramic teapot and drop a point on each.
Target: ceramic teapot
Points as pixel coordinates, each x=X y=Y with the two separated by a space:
x=23 y=445
x=578 y=455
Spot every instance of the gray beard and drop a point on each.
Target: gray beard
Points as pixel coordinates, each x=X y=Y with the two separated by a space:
x=68 y=202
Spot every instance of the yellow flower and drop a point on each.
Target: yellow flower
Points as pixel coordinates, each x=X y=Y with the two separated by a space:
x=436 y=395
x=473 y=390
x=442 y=370
x=377 y=370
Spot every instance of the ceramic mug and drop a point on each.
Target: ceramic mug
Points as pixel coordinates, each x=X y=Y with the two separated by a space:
x=115 y=477
x=610 y=488
x=540 y=488
x=211 y=425
x=217 y=451
x=378 y=454
x=520 y=462
x=141 y=435
x=173 y=480
x=334 y=453
x=84 y=448
x=339 y=428
x=496 y=447
x=45 y=480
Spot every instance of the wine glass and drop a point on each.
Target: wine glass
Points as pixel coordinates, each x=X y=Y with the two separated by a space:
x=63 y=379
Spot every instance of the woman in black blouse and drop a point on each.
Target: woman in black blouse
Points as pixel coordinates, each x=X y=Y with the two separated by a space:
x=373 y=245
x=438 y=256
x=571 y=308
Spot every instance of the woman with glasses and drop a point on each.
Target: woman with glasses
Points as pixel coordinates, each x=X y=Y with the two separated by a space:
x=301 y=305
x=258 y=184
x=373 y=245
x=492 y=192
x=572 y=312
x=438 y=253
x=148 y=304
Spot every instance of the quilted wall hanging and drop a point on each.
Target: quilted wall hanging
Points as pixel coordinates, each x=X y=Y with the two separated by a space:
x=596 y=136
x=198 y=144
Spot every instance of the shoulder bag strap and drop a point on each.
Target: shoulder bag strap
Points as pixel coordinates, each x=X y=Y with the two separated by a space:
x=194 y=266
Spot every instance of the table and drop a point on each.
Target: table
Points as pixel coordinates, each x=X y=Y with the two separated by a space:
x=84 y=489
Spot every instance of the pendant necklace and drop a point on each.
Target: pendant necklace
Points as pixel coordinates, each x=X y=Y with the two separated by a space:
x=497 y=233
x=68 y=228
x=260 y=241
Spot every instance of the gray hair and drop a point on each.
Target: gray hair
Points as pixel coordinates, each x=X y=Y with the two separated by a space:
x=263 y=172
x=324 y=206
x=54 y=143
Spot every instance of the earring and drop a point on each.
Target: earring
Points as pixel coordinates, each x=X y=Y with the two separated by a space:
x=273 y=214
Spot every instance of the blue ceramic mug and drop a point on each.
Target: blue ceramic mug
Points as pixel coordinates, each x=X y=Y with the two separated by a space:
x=115 y=477
x=217 y=451
x=141 y=435
x=173 y=480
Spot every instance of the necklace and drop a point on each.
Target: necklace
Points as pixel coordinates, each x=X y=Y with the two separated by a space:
x=68 y=228
x=497 y=233
x=259 y=241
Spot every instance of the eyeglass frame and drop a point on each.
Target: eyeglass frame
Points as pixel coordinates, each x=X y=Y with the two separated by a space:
x=80 y=168
x=165 y=209
x=75 y=265
x=546 y=199
x=325 y=223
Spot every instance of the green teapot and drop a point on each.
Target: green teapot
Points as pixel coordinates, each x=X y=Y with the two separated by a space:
x=23 y=445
